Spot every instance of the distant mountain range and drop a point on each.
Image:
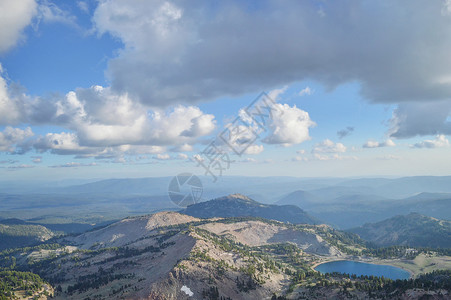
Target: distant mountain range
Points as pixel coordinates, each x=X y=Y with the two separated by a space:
x=351 y=210
x=411 y=230
x=341 y=202
x=237 y=205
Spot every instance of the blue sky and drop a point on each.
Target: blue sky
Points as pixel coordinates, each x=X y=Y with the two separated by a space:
x=100 y=89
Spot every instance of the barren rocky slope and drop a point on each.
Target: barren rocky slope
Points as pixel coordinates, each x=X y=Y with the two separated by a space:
x=169 y=255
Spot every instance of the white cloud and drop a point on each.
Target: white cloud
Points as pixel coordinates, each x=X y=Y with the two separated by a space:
x=98 y=119
x=290 y=126
x=328 y=150
x=327 y=146
x=200 y=126
x=375 y=144
x=12 y=138
x=164 y=156
x=14 y=17
x=11 y=106
x=307 y=91
x=254 y=149
x=276 y=93
x=61 y=143
x=440 y=141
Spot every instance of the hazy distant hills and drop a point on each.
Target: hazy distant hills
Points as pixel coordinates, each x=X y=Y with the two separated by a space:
x=300 y=198
x=342 y=202
x=237 y=205
x=411 y=230
x=352 y=210
x=276 y=187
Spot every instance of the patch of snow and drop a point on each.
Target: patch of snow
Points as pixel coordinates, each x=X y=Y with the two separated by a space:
x=187 y=290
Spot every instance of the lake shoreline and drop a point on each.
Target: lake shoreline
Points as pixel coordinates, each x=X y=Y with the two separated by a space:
x=368 y=260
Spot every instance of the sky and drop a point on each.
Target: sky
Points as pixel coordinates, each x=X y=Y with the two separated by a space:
x=113 y=89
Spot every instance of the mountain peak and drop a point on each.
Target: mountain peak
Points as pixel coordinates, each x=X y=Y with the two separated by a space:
x=239 y=196
x=238 y=205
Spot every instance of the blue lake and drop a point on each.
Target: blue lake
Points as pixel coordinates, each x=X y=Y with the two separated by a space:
x=358 y=268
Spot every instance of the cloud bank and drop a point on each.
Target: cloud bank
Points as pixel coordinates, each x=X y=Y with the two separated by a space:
x=188 y=52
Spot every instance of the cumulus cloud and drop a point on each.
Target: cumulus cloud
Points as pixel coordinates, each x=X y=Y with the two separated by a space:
x=290 y=126
x=282 y=124
x=178 y=51
x=374 y=144
x=14 y=17
x=11 y=104
x=421 y=118
x=440 y=141
x=60 y=143
x=97 y=120
x=254 y=149
x=12 y=139
x=329 y=150
x=327 y=146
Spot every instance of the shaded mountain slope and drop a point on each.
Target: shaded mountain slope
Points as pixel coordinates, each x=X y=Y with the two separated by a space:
x=411 y=230
x=14 y=234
